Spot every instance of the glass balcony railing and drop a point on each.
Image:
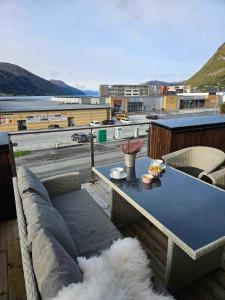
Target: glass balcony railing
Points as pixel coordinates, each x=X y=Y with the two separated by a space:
x=57 y=151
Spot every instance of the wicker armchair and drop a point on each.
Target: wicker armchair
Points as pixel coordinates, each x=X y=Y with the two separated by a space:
x=218 y=178
x=196 y=161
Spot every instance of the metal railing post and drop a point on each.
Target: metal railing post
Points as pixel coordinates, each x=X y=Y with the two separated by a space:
x=93 y=179
x=12 y=157
x=148 y=139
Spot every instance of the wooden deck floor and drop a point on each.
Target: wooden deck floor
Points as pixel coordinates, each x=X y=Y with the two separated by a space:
x=11 y=273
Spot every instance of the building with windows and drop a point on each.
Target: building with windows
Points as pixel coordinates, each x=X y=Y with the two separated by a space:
x=171 y=90
x=121 y=90
x=135 y=103
x=190 y=101
x=23 y=115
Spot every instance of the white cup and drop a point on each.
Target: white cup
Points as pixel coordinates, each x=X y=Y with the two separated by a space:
x=117 y=172
x=158 y=162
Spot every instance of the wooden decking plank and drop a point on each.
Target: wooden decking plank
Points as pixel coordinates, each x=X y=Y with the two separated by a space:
x=213 y=288
x=16 y=283
x=219 y=277
x=3 y=236
x=3 y=276
x=194 y=292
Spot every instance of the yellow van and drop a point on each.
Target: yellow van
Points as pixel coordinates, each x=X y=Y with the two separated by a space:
x=120 y=116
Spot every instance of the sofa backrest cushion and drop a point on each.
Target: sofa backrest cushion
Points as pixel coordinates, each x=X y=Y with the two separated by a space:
x=53 y=266
x=40 y=214
x=28 y=182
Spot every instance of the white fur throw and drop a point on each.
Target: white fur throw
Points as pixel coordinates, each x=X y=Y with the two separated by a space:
x=120 y=273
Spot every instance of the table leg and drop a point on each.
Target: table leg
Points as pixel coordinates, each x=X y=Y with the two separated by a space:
x=182 y=270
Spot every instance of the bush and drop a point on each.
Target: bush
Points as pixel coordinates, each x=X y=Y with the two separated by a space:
x=222 y=108
x=19 y=153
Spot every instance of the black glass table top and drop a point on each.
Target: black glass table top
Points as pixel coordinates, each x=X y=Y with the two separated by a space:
x=189 y=122
x=191 y=209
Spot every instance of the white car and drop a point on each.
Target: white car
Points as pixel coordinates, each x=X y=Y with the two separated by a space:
x=94 y=123
x=125 y=121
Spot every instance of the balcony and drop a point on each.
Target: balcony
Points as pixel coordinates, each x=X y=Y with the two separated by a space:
x=210 y=286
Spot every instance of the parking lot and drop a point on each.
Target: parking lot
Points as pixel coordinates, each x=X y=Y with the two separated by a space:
x=63 y=139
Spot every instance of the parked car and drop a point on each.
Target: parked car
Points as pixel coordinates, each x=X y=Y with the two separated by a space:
x=94 y=123
x=108 y=122
x=125 y=121
x=53 y=126
x=80 y=137
x=152 y=117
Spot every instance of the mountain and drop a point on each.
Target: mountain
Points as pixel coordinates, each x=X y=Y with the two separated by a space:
x=15 y=80
x=91 y=93
x=67 y=89
x=212 y=74
x=159 y=83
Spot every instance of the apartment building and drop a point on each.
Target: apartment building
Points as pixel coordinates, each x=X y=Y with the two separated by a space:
x=127 y=90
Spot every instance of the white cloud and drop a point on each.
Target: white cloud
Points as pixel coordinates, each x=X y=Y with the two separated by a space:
x=85 y=43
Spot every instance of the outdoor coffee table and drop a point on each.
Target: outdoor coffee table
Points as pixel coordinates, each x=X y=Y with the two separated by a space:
x=190 y=212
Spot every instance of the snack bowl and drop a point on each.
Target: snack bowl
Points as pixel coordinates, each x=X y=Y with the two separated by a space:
x=147 y=178
x=154 y=170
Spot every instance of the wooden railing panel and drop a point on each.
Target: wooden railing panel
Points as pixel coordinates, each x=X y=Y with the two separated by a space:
x=7 y=202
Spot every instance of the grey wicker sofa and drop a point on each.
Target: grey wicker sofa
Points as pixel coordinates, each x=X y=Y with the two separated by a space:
x=57 y=222
x=196 y=161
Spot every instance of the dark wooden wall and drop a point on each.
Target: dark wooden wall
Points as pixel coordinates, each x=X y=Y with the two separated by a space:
x=164 y=141
x=7 y=202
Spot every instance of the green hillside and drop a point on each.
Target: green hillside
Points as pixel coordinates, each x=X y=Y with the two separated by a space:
x=212 y=73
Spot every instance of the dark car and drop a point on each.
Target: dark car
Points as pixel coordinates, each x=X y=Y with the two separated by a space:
x=108 y=122
x=80 y=137
x=53 y=126
x=152 y=117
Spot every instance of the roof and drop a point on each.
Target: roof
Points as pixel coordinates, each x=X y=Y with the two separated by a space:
x=190 y=122
x=11 y=106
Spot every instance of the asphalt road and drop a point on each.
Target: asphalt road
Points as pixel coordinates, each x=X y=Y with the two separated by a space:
x=46 y=163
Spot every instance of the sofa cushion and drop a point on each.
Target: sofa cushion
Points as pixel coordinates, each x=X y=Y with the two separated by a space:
x=53 y=266
x=40 y=214
x=90 y=227
x=27 y=181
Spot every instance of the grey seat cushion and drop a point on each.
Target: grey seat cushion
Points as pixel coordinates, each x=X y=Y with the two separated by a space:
x=40 y=214
x=28 y=182
x=53 y=266
x=91 y=229
x=190 y=170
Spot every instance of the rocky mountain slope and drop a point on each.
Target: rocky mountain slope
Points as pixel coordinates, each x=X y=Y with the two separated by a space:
x=212 y=74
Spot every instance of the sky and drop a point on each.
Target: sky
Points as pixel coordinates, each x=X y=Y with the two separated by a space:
x=90 y=42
